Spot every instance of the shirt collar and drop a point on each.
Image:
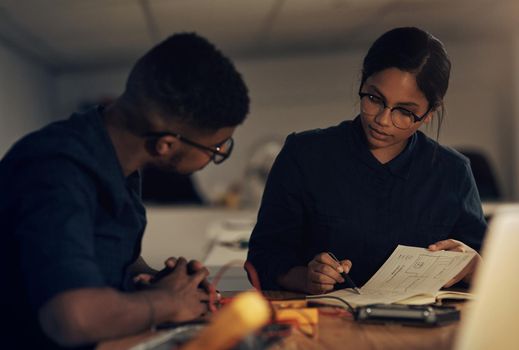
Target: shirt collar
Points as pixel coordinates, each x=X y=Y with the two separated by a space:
x=399 y=166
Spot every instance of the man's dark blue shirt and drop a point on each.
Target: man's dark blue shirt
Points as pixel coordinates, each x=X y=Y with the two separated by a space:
x=70 y=219
x=326 y=192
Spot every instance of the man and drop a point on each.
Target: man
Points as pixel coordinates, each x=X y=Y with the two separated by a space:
x=72 y=219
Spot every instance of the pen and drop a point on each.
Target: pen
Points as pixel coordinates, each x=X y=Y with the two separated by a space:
x=347 y=278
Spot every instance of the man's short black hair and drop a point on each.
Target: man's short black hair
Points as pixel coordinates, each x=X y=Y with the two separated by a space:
x=186 y=78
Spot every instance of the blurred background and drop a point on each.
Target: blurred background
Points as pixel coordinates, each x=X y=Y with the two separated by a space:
x=301 y=60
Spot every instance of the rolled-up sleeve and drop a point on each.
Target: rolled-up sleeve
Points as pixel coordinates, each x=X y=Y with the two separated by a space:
x=55 y=230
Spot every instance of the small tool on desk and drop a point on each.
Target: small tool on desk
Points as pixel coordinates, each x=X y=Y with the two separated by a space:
x=346 y=277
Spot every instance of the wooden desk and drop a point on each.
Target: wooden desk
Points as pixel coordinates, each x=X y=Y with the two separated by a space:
x=343 y=333
x=335 y=332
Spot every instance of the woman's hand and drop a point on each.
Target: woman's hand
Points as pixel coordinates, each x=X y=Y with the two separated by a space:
x=323 y=272
x=456 y=246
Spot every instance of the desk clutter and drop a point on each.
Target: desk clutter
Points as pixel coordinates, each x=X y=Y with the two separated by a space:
x=230 y=328
x=293 y=320
x=249 y=320
x=244 y=322
x=229 y=240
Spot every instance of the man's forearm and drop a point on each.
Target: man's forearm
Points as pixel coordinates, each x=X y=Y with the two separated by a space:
x=90 y=315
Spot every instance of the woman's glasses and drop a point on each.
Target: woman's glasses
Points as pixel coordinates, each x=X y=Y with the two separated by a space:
x=401 y=117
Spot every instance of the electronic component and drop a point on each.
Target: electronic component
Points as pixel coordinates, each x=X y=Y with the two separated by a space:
x=414 y=315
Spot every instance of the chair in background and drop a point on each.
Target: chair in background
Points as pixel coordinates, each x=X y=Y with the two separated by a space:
x=483 y=174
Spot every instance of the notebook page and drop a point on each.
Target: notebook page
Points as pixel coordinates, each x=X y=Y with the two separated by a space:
x=418 y=270
x=408 y=272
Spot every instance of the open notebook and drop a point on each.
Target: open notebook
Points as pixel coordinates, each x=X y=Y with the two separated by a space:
x=410 y=275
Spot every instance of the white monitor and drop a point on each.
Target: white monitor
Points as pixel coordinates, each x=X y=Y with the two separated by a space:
x=492 y=320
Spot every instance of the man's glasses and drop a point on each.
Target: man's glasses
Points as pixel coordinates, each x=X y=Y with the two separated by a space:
x=401 y=118
x=218 y=153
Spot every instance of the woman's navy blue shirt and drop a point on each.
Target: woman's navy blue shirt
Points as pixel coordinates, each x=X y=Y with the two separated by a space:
x=327 y=192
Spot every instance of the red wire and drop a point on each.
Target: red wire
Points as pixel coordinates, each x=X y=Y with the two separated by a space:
x=255 y=281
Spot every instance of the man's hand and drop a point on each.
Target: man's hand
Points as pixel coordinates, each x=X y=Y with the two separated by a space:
x=193 y=267
x=323 y=272
x=142 y=280
x=186 y=300
x=456 y=246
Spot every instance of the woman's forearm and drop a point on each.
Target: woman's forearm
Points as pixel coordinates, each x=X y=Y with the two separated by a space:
x=294 y=279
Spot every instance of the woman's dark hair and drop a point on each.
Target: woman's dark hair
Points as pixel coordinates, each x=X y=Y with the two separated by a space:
x=415 y=51
x=185 y=78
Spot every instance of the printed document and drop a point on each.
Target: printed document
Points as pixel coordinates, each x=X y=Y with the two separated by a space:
x=410 y=275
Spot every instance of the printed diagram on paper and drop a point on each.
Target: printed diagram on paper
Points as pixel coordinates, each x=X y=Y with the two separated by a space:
x=412 y=269
x=409 y=272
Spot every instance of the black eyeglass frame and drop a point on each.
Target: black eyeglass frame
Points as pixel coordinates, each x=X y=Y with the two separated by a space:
x=416 y=117
x=216 y=151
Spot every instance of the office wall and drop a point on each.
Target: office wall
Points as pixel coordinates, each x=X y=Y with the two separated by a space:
x=299 y=92
x=27 y=96
x=514 y=107
x=480 y=106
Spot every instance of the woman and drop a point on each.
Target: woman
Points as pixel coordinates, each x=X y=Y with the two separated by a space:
x=361 y=188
